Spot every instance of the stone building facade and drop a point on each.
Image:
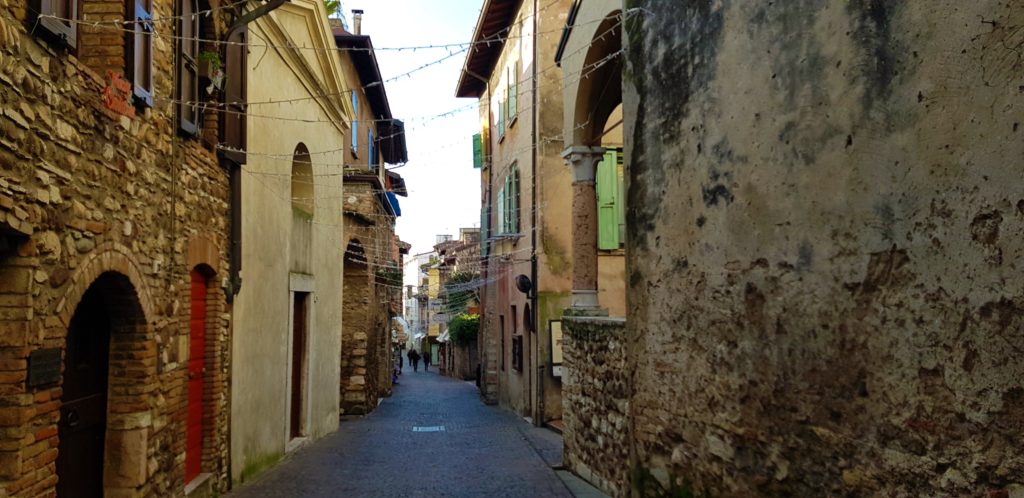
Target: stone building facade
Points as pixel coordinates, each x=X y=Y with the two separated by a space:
x=526 y=204
x=373 y=263
x=113 y=256
x=287 y=313
x=824 y=292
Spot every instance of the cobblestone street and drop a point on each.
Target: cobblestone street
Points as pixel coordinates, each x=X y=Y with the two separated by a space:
x=481 y=451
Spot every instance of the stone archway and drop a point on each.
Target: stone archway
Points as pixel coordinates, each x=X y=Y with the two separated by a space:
x=109 y=373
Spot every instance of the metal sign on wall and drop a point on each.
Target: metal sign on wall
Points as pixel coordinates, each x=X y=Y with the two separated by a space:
x=43 y=367
x=555 y=329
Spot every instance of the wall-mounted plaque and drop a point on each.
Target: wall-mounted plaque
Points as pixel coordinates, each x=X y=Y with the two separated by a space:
x=44 y=367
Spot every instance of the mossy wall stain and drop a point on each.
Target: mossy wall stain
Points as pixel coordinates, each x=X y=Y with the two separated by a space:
x=849 y=312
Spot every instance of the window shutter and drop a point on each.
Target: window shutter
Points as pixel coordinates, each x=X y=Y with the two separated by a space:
x=501 y=119
x=355 y=123
x=620 y=200
x=233 y=119
x=478 y=153
x=188 y=74
x=500 y=229
x=513 y=92
x=142 y=52
x=514 y=212
x=607 y=192
x=372 y=159
x=59 y=28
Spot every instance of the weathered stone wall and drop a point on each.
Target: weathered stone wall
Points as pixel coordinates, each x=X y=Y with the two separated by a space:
x=90 y=193
x=596 y=394
x=825 y=281
x=366 y=334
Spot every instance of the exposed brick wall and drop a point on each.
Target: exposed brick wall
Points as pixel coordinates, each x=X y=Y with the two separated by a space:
x=93 y=192
x=595 y=397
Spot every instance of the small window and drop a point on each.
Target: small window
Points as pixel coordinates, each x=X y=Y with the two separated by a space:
x=513 y=93
x=56 y=18
x=517 y=353
x=355 y=124
x=188 y=68
x=141 y=60
x=371 y=157
x=233 y=119
x=501 y=322
x=501 y=119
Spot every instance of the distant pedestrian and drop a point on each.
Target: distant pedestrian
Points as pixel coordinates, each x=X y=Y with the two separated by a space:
x=414 y=358
x=426 y=361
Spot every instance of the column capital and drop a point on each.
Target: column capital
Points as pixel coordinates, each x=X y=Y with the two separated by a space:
x=583 y=160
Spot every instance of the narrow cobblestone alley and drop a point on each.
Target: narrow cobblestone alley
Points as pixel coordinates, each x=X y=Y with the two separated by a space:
x=481 y=451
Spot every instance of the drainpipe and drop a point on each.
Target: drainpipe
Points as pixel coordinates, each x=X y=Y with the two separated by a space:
x=538 y=420
x=235 y=185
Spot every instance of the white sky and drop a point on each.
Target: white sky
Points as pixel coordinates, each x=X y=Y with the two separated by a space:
x=444 y=189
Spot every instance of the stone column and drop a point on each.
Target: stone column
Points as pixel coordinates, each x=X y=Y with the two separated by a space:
x=583 y=160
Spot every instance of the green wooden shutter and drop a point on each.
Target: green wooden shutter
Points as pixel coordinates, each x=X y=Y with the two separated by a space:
x=513 y=97
x=508 y=205
x=514 y=211
x=620 y=201
x=607 y=197
x=501 y=119
x=478 y=152
x=500 y=229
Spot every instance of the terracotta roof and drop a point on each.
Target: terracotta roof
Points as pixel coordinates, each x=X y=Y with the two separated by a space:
x=493 y=25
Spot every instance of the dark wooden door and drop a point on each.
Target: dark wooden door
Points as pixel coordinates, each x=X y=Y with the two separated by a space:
x=83 y=412
x=196 y=365
x=298 y=361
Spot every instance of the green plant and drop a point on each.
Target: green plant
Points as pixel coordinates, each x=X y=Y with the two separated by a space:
x=333 y=7
x=212 y=60
x=461 y=288
x=463 y=329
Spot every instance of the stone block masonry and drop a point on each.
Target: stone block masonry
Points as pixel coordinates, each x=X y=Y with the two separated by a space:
x=595 y=398
x=95 y=202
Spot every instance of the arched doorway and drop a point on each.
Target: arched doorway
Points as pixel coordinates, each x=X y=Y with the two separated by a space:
x=356 y=333
x=101 y=361
x=194 y=426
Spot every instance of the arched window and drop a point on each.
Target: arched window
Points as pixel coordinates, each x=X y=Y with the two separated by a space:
x=302 y=181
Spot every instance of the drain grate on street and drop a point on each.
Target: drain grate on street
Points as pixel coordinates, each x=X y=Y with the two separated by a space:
x=428 y=428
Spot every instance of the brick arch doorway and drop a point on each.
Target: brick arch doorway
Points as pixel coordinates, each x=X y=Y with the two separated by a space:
x=106 y=357
x=195 y=428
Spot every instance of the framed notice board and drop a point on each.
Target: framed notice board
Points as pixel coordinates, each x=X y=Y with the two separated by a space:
x=555 y=335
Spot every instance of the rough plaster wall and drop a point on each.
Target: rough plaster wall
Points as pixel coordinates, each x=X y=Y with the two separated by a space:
x=823 y=267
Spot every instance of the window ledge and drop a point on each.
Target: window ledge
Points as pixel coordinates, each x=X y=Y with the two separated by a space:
x=512 y=120
x=505 y=236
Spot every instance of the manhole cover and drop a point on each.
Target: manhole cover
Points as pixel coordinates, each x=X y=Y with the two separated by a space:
x=428 y=428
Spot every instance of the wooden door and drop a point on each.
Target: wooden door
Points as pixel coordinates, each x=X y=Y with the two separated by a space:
x=299 y=330
x=196 y=367
x=83 y=412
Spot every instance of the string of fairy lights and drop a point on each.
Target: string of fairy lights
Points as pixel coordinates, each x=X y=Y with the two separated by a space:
x=378 y=252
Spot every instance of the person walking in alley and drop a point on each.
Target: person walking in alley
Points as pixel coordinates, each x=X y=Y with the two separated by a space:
x=414 y=358
x=426 y=361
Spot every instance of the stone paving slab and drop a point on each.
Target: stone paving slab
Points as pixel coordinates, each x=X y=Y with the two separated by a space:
x=482 y=451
